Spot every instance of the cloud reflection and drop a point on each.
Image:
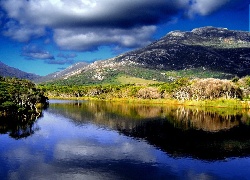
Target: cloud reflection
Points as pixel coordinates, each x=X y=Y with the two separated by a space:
x=62 y=150
x=95 y=151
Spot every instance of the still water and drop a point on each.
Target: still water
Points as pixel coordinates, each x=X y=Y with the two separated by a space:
x=103 y=140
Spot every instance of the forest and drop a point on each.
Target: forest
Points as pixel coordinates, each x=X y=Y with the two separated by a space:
x=19 y=96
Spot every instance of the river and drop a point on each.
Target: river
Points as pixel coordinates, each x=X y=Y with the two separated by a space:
x=104 y=140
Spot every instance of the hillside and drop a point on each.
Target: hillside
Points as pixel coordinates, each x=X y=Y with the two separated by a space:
x=203 y=52
x=64 y=74
x=7 y=71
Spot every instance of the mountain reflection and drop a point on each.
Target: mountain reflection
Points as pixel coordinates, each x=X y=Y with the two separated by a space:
x=209 y=134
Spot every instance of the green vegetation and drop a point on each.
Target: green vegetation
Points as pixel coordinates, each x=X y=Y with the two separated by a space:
x=197 y=92
x=198 y=73
x=123 y=79
x=136 y=75
x=113 y=76
x=19 y=96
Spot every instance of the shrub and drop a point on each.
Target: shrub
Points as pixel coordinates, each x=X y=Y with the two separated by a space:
x=244 y=83
x=210 y=88
x=247 y=80
x=133 y=90
x=149 y=93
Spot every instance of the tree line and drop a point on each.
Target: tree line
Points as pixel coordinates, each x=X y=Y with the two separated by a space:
x=180 y=89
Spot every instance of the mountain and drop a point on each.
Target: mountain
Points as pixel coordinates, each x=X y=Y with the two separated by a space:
x=64 y=74
x=202 y=52
x=7 y=71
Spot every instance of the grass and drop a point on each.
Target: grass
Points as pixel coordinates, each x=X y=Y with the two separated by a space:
x=124 y=79
x=198 y=73
x=218 y=103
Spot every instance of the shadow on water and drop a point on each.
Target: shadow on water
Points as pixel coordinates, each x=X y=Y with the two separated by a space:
x=207 y=134
x=19 y=126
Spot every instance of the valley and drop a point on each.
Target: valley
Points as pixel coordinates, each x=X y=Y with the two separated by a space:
x=206 y=63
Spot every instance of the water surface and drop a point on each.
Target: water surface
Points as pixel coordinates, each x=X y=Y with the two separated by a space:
x=103 y=140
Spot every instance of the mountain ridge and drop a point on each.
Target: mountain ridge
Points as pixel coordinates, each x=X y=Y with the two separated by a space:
x=198 y=46
x=203 y=50
x=199 y=53
x=64 y=74
x=7 y=71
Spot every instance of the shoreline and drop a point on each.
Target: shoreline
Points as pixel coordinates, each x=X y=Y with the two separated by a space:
x=218 y=103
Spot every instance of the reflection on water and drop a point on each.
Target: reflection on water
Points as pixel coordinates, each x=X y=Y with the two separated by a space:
x=186 y=118
x=19 y=126
x=104 y=140
x=211 y=120
x=180 y=131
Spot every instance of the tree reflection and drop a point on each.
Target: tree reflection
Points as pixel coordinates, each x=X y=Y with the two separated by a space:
x=209 y=134
x=19 y=126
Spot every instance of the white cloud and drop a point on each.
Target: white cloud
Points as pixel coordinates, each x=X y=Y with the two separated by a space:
x=90 y=39
x=22 y=33
x=205 y=7
x=88 y=24
x=35 y=52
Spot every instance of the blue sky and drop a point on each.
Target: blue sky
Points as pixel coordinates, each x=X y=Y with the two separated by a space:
x=44 y=36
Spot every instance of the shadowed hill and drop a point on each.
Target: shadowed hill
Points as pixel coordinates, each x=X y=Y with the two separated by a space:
x=7 y=71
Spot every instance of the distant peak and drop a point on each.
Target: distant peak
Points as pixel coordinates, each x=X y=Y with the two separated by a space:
x=176 y=33
x=198 y=31
x=208 y=29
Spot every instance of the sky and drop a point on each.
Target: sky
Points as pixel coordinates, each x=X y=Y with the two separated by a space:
x=45 y=36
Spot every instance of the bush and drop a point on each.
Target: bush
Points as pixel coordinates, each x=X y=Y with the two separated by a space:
x=247 y=80
x=171 y=87
x=244 y=83
x=149 y=93
x=210 y=88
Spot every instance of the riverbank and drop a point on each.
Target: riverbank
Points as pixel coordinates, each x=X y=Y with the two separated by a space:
x=218 y=103
x=208 y=92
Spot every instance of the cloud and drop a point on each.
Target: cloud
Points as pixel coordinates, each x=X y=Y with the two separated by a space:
x=90 y=39
x=35 y=52
x=85 y=25
x=22 y=33
x=1 y=17
x=88 y=24
x=91 y=13
x=67 y=56
x=205 y=7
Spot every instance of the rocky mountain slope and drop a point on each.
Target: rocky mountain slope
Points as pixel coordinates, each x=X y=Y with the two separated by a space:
x=7 y=71
x=206 y=51
x=64 y=74
x=212 y=48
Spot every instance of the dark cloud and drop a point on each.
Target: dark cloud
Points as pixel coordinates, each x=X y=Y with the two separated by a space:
x=88 y=24
x=90 y=13
x=34 y=52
